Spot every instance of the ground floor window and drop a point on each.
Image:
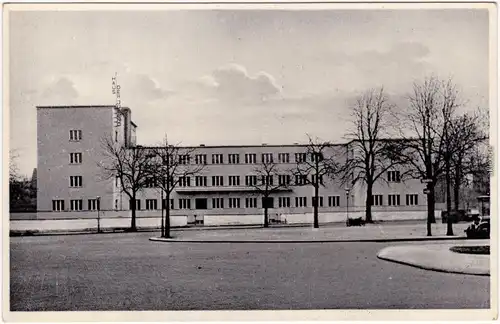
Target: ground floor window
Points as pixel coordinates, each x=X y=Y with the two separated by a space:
x=58 y=205
x=394 y=200
x=184 y=203
x=93 y=204
x=320 y=201
x=284 y=202
x=76 y=204
x=137 y=204
x=333 y=201
x=251 y=202
x=411 y=199
x=300 y=201
x=164 y=204
x=377 y=200
x=151 y=204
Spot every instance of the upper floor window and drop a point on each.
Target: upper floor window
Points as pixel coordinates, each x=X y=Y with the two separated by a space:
x=267 y=158
x=217 y=159
x=150 y=182
x=217 y=180
x=300 y=157
x=250 y=180
x=393 y=176
x=75 y=135
x=284 y=179
x=217 y=202
x=184 y=181
x=201 y=181
x=234 y=180
x=184 y=159
x=250 y=158
x=283 y=158
x=316 y=157
x=200 y=159
x=233 y=158
x=266 y=180
x=300 y=180
x=75 y=158
x=75 y=181
x=57 y=205
x=320 y=179
x=234 y=202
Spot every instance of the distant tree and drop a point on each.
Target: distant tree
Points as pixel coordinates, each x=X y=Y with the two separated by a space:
x=371 y=156
x=172 y=164
x=312 y=166
x=22 y=192
x=131 y=165
x=266 y=182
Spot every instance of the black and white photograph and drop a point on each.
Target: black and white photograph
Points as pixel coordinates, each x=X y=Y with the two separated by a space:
x=333 y=161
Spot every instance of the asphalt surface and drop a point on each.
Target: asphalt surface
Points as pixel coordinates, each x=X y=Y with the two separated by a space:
x=129 y=272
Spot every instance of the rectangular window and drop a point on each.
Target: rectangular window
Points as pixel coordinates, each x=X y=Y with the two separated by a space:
x=137 y=204
x=320 y=201
x=234 y=180
x=184 y=159
x=184 y=203
x=217 y=202
x=75 y=181
x=300 y=201
x=320 y=179
x=251 y=202
x=377 y=200
x=164 y=202
x=333 y=201
x=217 y=159
x=284 y=179
x=217 y=181
x=234 y=202
x=201 y=181
x=75 y=158
x=393 y=176
x=266 y=180
x=184 y=181
x=283 y=158
x=394 y=200
x=250 y=180
x=250 y=158
x=412 y=200
x=150 y=182
x=267 y=158
x=116 y=136
x=234 y=158
x=151 y=204
x=76 y=204
x=57 y=205
x=300 y=180
x=75 y=135
x=284 y=202
x=300 y=157
x=200 y=159
x=94 y=204
x=316 y=157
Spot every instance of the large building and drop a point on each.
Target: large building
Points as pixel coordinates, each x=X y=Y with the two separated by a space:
x=71 y=182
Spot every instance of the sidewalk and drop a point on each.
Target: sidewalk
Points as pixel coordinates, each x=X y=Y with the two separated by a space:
x=438 y=257
x=385 y=232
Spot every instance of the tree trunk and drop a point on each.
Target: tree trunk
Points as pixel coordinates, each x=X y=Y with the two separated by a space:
x=315 y=205
x=162 y=231
x=266 y=214
x=456 y=188
x=368 y=203
x=133 y=227
x=449 y=227
x=167 y=219
x=430 y=210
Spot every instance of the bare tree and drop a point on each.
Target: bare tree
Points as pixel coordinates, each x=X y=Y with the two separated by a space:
x=318 y=161
x=372 y=156
x=130 y=165
x=173 y=164
x=266 y=184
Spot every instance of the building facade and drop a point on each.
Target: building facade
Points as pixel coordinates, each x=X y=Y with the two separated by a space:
x=70 y=180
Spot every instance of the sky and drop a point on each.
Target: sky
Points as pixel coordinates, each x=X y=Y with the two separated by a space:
x=229 y=77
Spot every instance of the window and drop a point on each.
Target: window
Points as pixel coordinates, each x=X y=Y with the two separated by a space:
x=217 y=181
x=75 y=181
x=217 y=202
x=151 y=204
x=116 y=136
x=316 y=157
x=117 y=181
x=184 y=159
x=394 y=200
x=234 y=202
x=184 y=181
x=200 y=159
x=234 y=180
x=75 y=158
x=267 y=158
x=251 y=202
x=57 y=205
x=333 y=201
x=201 y=181
x=267 y=180
x=250 y=158
x=320 y=179
x=137 y=204
x=94 y=204
x=284 y=179
x=284 y=202
x=300 y=157
x=234 y=158
x=377 y=200
x=164 y=204
x=116 y=204
x=283 y=158
x=300 y=201
x=75 y=135
x=393 y=176
x=150 y=182
x=184 y=203
x=217 y=159
x=267 y=202
x=320 y=201
x=412 y=200
x=300 y=180
x=250 y=180
x=76 y=204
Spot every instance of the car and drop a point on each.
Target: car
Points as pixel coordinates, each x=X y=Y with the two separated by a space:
x=471 y=214
x=480 y=231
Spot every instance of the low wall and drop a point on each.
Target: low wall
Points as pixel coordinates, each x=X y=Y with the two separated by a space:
x=217 y=220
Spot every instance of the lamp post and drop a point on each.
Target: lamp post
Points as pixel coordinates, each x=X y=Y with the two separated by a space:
x=347 y=190
x=98 y=216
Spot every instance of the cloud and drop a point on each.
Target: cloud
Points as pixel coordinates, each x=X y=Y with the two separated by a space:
x=61 y=89
x=146 y=88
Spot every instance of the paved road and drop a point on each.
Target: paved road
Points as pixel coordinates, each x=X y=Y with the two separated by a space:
x=128 y=272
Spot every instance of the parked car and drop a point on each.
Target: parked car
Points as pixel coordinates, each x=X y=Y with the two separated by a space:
x=456 y=216
x=480 y=229
x=472 y=214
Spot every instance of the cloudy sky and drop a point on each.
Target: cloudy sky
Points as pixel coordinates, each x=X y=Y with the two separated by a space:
x=236 y=76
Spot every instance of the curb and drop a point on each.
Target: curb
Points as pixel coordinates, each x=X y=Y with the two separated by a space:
x=172 y=240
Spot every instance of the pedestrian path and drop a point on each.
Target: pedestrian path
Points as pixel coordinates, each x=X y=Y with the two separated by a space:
x=439 y=257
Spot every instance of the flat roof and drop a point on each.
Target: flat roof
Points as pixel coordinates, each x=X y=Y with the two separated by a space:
x=77 y=106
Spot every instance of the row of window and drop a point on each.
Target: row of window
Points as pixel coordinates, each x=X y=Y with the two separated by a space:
x=394 y=200
x=75 y=204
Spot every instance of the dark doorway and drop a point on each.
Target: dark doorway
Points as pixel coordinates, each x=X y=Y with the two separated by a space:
x=200 y=203
x=268 y=202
